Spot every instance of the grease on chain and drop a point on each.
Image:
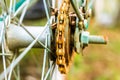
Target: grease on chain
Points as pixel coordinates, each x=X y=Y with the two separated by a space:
x=60 y=38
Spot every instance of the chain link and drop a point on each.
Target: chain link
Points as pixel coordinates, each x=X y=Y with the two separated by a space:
x=62 y=55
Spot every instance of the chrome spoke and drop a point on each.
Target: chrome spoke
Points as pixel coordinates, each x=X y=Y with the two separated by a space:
x=4 y=61
x=2 y=33
x=18 y=59
x=44 y=59
x=34 y=37
x=22 y=5
x=3 y=49
x=18 y=71
x=48 y=72
x=5 y=6
x=11 y=70
x=46 y=9
x=24 y=11
x=10 y=7
x=10 y=17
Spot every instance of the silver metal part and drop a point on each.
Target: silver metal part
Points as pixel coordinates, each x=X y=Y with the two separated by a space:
x=93 y=39
x=17 y=37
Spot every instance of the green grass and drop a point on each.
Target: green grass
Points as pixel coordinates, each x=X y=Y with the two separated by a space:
x=39 y=22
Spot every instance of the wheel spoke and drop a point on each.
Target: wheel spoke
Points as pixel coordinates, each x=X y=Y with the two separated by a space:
x=18 y=59
x=7 y=73
x=10 y=7
x=22 y=5
x=46 y=26
x=24 y=11
x=18 y=71
x=44 y=59
x=4 y=5
x=46 y=9
x=11 y=70
x=4 y=61
x=3 y=49
x=2 y=33
x=48 y=72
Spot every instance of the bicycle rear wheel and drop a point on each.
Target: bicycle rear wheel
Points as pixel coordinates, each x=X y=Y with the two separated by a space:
x=10 y=23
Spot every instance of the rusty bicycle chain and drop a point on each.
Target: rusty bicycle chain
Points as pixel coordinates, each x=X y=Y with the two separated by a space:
x=61 y=40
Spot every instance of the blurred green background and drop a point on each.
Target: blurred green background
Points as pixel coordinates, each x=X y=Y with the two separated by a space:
x=99 y=62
